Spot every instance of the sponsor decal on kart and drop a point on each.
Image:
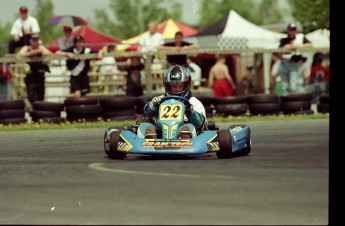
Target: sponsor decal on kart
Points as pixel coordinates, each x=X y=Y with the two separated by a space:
x=214 y=144
x=167 y=144
x=237 y=128
x=123 y=144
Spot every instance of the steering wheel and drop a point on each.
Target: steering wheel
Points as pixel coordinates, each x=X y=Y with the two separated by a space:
x=184 y=100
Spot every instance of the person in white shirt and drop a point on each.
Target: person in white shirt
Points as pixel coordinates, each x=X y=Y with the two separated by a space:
x=195 y=72
x=289 y=68
x=151 y=40
x=22 y=29
x=108 y=67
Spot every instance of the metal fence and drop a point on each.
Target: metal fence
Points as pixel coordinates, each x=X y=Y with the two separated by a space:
x=57 y=81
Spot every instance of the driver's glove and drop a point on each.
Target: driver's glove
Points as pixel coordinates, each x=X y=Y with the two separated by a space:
x=156 y=101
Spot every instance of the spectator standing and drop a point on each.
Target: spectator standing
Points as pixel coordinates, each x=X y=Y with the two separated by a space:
x=289 y=69
x=220 y=80
x=66 y=41
x=275 y=77
x=35 y=78
x=108 y=68
x=133 y=83
x=177 y=45
x=22 y=29
x=195 y=73
x=246 y=85
x=319 y=77
x=78 y=68
x=5 y=82
x=151 y=40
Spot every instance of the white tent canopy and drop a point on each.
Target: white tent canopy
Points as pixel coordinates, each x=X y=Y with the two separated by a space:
x=319 y=38
x=258 y=37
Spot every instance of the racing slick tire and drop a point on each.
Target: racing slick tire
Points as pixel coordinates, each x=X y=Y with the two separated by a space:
x=113 y=153
x=225 y=146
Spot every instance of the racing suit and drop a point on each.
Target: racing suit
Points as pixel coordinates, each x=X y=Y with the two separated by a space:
x=196 y=118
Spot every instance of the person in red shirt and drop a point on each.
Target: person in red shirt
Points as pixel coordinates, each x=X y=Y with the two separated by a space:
x=319 y=77
x=5 y=82
x=319 y=73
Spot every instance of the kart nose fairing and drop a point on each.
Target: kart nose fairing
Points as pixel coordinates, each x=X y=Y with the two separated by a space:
x=203 y=143
x=131 y=143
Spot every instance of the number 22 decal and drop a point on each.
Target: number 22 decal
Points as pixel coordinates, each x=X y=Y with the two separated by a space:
x=171 y=112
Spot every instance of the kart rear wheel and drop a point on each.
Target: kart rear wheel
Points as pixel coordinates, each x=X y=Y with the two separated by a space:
x=246 y=151
x=225 y=146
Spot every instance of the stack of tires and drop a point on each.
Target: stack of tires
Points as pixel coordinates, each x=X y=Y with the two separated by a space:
x=296 y=104
x=12 y=112
x=118 y=108
x=323 y=105
x=233 y=105
x=83 y=109
x=141 y=101
x=48 y=112
x=209 y=104
x=264 y=104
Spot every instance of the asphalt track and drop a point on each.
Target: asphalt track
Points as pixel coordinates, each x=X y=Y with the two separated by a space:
x=64 y=177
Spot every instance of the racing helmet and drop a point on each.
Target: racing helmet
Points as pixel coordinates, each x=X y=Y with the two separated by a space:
x=177 y=81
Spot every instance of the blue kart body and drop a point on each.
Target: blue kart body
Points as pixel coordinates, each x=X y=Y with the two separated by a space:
x=118 y=142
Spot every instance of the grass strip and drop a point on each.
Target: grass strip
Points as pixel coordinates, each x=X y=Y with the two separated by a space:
x=104 y=124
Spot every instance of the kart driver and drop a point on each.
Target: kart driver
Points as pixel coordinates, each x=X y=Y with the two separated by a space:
x=177 y=82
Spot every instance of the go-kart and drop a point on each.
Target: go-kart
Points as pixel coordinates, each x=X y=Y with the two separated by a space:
x=234 y=141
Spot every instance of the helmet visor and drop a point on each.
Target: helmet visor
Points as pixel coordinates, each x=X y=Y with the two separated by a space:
x=177 y=87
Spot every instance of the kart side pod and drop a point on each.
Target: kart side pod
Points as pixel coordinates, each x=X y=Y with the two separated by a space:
x=235 y=141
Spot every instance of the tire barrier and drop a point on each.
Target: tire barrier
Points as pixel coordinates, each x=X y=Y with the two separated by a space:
x=233 y=105
x=83 y=109
x=209 y=104
x=141 y=101
x=323 y=105
x=296 y=103
x=119 y=108
x=81 y=101
x=264 y=104
x=48 y=112
x=231 y=109
x=12 y=112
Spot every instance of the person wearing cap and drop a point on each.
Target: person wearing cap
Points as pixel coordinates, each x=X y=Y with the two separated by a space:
x=78 y=68
x=176 y=45
x=66 y=40
x=35 y=77
x=22 y=29
x=289 y=68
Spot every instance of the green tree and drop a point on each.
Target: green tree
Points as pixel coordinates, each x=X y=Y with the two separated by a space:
x=5 y=37
x=43 y=12
x=269 y=12
x=312 y=14
x=212 y=11
x=131 y=16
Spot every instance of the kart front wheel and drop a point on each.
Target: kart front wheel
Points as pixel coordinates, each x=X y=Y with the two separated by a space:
x=113 y=144
x=225 y=146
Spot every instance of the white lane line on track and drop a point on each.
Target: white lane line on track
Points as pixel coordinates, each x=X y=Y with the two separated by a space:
x=101 y=167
